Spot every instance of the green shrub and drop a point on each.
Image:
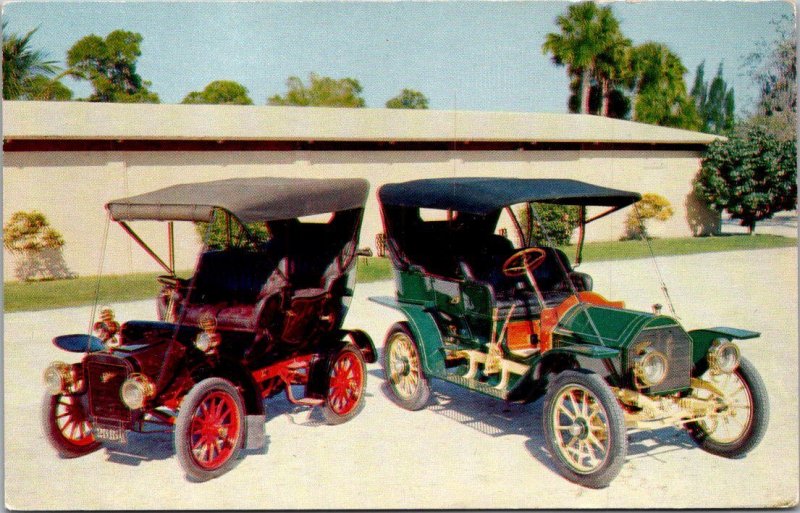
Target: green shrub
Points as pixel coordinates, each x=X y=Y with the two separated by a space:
x=557 y=223
x=752 y=175
x=217 y=237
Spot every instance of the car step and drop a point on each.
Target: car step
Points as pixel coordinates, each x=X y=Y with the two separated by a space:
x=302 y=401
x=503 y=366
x=476 y=385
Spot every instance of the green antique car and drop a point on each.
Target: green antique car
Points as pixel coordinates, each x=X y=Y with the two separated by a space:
x=520 y=323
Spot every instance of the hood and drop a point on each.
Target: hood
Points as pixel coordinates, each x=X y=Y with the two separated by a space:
x=617 y=327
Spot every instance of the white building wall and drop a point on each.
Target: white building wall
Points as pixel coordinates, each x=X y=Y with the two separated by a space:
x=70 y=188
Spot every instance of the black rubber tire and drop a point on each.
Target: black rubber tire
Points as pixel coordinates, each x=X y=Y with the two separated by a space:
x=597 y=389
x=54 y=435
x=420 y=391
x=202 y=391
x=758 y=425
x=355 y=390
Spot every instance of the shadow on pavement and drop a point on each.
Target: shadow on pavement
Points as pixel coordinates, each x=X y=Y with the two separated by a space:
x=496 y=418
x=154 y=446
x=141 y=447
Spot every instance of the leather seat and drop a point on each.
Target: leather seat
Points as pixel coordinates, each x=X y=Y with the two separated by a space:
x=524 y=306
x=195 y=312
x=314 y=310
x=238 y=307
x=237 y=318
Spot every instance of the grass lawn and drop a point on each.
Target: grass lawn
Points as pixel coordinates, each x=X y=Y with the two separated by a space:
x=43 y=295
x=630 y=249
x=81 y=291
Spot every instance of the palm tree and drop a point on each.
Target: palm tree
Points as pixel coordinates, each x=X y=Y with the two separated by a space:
x=22 y=64
x=611 y=69
x=659 y=92
x=587 y=32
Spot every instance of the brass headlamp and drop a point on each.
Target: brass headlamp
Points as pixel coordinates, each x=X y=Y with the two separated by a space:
x=723 y=356
x=58 y=378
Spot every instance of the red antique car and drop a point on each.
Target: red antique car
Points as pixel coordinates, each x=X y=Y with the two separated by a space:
x=262 y=311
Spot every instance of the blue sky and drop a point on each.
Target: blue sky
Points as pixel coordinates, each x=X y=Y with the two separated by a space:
x=468 y=55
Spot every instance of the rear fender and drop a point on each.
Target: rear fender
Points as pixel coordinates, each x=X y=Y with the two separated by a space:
x=241 y=377
x=363 y=341
x=425 y=331
x=318 y=371
x=317 y=386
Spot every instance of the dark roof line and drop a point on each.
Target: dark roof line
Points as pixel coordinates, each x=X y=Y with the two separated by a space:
x=140 y=145
x=249 y=199
x=480 y=195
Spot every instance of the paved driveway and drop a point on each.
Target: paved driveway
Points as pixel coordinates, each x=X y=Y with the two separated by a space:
x=463 y=451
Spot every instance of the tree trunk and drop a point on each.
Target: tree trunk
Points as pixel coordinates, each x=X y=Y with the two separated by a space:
x=605 y=92
x=634 y=91
x=585 y=86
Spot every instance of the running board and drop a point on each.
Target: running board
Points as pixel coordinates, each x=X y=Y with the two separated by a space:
x=473 y=384
x=478 y=358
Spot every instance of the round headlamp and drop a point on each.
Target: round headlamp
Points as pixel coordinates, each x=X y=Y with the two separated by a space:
x=723 y=356
x=204 y=342
x=136 y=390
x=57 y=378
x=207 y=342
x=650 y=367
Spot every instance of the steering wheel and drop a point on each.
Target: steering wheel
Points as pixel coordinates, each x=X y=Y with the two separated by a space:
x=523 y=261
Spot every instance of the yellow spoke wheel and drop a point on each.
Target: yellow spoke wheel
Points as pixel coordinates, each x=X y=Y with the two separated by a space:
x=584 y=428
x=402 y=367
x=742 y=412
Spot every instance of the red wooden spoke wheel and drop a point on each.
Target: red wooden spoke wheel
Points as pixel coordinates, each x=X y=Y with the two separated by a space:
x=67 y=426
x=210 y=429
x=72 y=421
x=215 y=425
x=346 y=383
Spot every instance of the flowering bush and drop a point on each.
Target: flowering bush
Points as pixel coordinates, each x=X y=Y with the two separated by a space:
x=30 y=231
x=36 y=245
x=651 y=206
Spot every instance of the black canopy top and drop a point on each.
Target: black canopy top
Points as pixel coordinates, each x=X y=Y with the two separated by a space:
x=249 y=199
x=486 y=195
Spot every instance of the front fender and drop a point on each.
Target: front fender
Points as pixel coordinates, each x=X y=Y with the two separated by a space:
x=425 y=331
x=703 y=338
x=566 y=357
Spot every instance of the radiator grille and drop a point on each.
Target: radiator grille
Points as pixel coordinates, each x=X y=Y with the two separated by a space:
x=676 y=345
x=105 y=382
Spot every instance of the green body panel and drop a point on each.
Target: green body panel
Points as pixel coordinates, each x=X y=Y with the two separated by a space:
x=617 y=326
x=447 y=296
x=619 y=330
x=425 y=331
x=587 y=351
x=413 y=286
x=430 y=338
x=477 y=299
x=703 y=338
x=469 y=306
